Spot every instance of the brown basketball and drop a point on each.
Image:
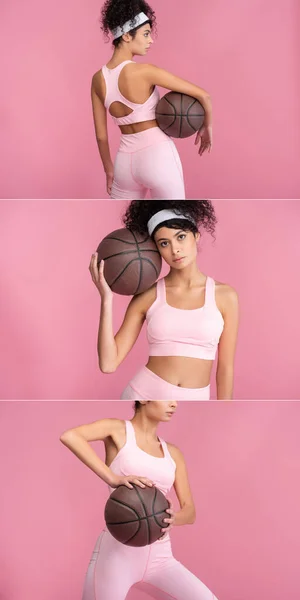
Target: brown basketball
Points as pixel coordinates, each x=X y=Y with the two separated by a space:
x=179 y=115
x=132 y=261
x=136 y=517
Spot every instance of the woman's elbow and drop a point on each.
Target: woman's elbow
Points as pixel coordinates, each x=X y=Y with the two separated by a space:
x=66 y=436
x=107 y=369
x=193 y=518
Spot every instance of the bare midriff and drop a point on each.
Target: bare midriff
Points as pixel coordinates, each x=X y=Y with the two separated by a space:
x=181 y=370
x=138 y=127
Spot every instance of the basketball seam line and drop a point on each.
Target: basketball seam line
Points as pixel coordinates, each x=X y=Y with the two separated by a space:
x=128 y=506
x=130 y=252
x=142 y=502
x=180 y=115
x=139 y=518
x=108 y=237
x=120 y=274
x=141 y=264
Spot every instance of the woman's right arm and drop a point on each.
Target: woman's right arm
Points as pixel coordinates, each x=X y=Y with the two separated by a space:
x=78 y=441
x=113 y=349
x=100 y=124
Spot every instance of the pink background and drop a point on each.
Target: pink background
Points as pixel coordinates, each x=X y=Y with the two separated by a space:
x=244 y=477
x=50 y=307
x=246 y=54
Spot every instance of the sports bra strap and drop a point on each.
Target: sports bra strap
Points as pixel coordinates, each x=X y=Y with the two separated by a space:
x=130 y=435
x=161 y=290
x=166 y=450
x=210 y=291
x=117 y=69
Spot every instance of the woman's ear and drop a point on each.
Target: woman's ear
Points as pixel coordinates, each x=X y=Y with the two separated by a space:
x=126 y=37
x=197 y=236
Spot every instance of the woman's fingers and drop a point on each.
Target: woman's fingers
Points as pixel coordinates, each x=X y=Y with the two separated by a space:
x=128 y=484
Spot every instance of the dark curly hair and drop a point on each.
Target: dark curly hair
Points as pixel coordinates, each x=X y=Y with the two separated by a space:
x=115 y=13
x=201 y=213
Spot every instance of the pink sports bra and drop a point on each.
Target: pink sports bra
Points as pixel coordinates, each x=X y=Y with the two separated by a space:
x=141 y=112
x=132 y=460
x=179 y=332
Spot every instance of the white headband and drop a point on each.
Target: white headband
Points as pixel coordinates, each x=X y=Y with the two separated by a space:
x=164 y=215
x=138 y=20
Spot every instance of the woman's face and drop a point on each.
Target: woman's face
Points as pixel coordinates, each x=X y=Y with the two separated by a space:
x=177 y=247
x=142 y=41
x=160 y=410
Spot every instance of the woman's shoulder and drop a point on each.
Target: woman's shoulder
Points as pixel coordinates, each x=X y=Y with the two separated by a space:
x=97 y=77
x=225 y=290
x=144 y=300
x=175 y=452
x=98 y=84
x=226 y=297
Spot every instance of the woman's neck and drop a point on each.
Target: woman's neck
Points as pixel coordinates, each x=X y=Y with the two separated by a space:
x=188 y=276
x=120 y=55
x=145 y=426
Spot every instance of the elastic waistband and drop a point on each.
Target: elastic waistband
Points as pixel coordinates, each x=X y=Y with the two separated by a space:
x=133 y=142
x=186 y=350
x=152 y=387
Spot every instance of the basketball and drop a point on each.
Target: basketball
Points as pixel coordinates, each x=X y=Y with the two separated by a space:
x=179 y=115
x=132 y=262
x=136 y=516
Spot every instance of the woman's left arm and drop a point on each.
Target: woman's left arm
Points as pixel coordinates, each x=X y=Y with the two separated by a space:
x=187 y=513
x=156 y=76
x=227 y=343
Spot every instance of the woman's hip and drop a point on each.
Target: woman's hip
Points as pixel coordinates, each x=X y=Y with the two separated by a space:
x=146 y=385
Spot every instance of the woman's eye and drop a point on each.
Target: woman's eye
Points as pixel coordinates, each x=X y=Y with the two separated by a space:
x=182 y=236
x=163 y=244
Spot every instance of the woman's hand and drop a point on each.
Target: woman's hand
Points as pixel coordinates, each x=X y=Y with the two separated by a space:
x=98 y=277
x=136 y=479
x=109 y=182
x=205 y=134
x=170 y=520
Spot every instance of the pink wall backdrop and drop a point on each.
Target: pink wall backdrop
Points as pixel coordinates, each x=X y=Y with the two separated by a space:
x=244 y=477
x=50 y=307
x=48 y=147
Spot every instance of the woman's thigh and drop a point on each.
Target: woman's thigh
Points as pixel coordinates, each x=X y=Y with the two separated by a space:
x=175 y=582
x=113 y=569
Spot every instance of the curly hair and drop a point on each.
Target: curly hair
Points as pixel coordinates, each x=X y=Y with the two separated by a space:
x=201 y=213
x=115 y=13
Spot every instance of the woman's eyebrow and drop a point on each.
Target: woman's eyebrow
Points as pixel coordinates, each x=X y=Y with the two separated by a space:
x=166 y=239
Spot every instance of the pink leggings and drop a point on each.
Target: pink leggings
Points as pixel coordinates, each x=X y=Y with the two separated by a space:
x=148 y=160
x=146 y=385
x=114 y=568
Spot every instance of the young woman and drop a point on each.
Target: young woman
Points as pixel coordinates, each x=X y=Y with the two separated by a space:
x=189 y=316
x=134 y=447
x=147 y=158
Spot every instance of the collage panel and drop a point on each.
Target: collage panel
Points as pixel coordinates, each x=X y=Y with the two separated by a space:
x=198 y=300
x=119 y=97
x=234 y=520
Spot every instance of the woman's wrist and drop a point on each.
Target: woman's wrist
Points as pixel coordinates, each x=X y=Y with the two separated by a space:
x=110 y=478
x=106 y=299
x=109 y=170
